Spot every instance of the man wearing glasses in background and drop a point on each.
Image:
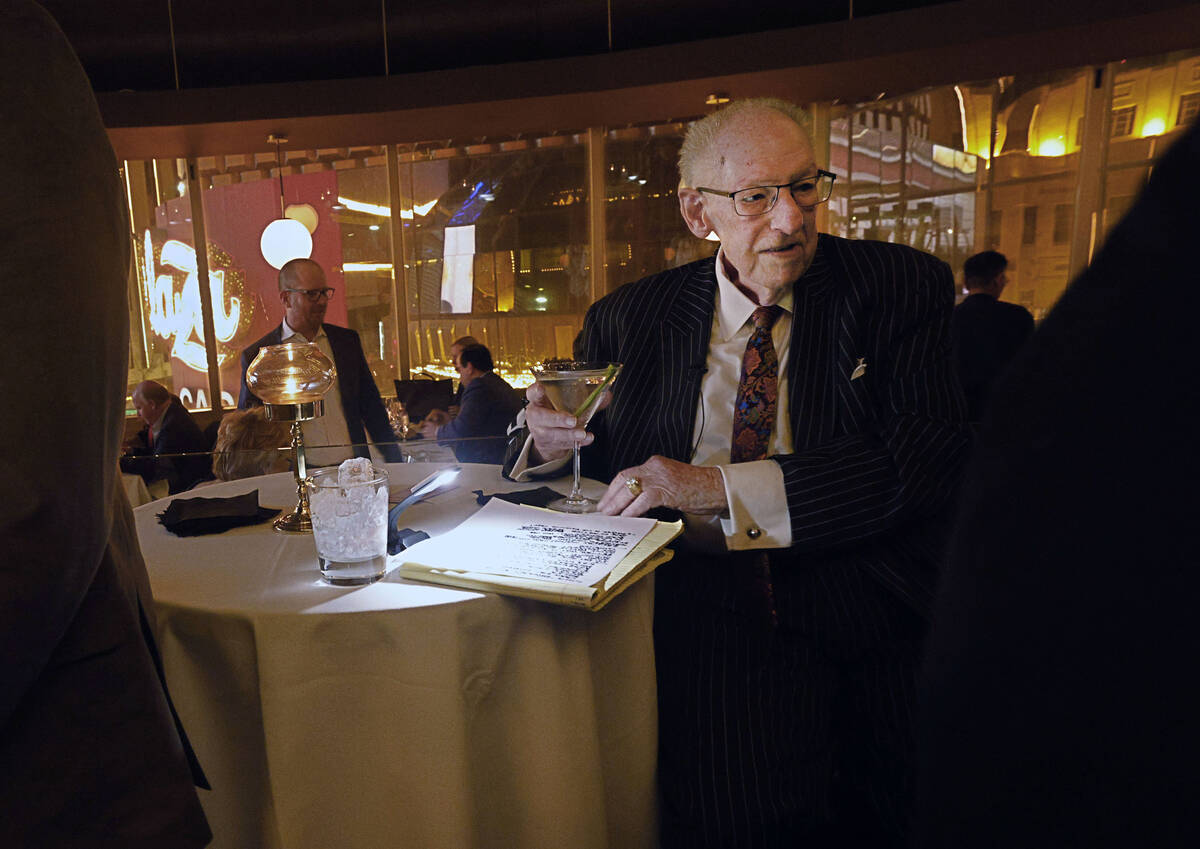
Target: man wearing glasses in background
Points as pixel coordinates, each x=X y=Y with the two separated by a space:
x=794 y=398
x=353 y=407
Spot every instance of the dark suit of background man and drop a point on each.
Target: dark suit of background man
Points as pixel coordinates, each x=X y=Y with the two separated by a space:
x=986 y=331
x=785 y=688
x=1060 y=702
x=169 y=429
x=488 y=404
x=90 y=755
x=353 y=407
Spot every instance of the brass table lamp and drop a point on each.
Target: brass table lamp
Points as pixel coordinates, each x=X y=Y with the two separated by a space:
x=291 y=379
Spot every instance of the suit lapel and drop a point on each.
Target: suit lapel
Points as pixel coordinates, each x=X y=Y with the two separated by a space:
x=685 y=337
x=812 y=361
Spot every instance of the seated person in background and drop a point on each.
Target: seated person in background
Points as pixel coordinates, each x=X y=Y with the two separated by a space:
x=456 y=348
x=488 y=404
x=248 y=445
x=169 y=430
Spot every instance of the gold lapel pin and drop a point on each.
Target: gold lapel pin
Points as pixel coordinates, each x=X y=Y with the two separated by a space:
x=860 y=369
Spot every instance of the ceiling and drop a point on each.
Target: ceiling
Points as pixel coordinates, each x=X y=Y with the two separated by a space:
x=185 y=78
x=138 y=45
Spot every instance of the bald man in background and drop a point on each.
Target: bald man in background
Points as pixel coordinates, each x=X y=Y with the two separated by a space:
x=91 y=754
x=353 y=408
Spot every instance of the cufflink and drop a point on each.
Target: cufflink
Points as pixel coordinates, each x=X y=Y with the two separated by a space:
x=753 y=533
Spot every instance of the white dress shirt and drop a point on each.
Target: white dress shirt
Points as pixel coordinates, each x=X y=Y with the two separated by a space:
x=753 y=490
x=329 y=429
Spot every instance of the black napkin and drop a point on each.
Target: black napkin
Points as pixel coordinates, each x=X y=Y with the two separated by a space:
x=189 y=517
x=539 y=497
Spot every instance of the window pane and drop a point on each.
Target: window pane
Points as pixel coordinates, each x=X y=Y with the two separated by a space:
x=1122 y=121
x=1036 y=165
x=1029 y=225
x=364 y=222
x=496 y=247
x=1062 y=223
x=340 y=195
x=995 y=229
x=646 y=233
x=866 y=166
x=838 y=207
x=1037 y=116
x=1163 y=93
x=1189 y=107
x=166 y=338
x=943 y=226
x=1038 y=267
x=1121 y=188
x=914 y=176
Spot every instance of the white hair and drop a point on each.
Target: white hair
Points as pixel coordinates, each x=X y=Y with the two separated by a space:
x=697 y=151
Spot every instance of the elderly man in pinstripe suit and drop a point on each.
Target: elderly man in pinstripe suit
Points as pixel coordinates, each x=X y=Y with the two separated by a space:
x=788 y=630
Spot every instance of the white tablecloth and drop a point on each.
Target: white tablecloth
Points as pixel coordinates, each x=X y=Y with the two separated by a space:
x=139 y=493
x=400 y=714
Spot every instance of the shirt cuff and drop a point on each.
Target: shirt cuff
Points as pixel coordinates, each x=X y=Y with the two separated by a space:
x=521 y=471
x=758 y=511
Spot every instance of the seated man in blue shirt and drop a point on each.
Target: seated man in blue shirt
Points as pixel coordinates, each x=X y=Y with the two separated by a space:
x=487 y=405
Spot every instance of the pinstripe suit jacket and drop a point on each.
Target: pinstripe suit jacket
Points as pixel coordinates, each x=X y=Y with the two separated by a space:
x=876 y=459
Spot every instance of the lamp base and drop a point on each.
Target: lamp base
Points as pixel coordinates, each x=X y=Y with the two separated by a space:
x=296 y=522
x=299 y=521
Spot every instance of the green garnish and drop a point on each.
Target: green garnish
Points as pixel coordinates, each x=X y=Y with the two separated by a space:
x=609 y=374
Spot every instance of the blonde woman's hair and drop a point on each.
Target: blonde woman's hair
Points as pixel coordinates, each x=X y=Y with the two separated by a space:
x=248 y=444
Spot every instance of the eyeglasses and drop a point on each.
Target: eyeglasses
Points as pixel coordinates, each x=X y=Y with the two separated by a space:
x=759 y=200
x=314 y=295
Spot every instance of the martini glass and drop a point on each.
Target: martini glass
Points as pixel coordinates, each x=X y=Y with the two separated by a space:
x=576 y=388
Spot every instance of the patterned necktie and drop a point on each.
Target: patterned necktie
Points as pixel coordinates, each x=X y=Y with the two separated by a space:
x=753 y=419
x=754 y=412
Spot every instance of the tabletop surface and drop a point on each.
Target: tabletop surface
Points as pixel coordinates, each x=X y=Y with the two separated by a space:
x=256 y=569
x=459 y=719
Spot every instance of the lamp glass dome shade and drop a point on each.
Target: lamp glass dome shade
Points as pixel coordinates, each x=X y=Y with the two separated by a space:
x=283 y=240
x=291 y=373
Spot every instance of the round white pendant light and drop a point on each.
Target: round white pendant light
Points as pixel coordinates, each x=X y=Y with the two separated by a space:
x=287 y=238
x=283 y=240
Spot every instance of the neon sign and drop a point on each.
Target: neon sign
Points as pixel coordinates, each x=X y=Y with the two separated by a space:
x=176 y=315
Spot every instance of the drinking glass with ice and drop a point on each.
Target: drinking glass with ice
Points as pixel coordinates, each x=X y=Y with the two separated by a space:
x=349 y=507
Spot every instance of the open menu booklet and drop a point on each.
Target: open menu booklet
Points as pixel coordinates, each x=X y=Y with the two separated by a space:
x=582 y=560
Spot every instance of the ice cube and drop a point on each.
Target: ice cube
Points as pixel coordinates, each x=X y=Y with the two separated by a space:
x=355 y=470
